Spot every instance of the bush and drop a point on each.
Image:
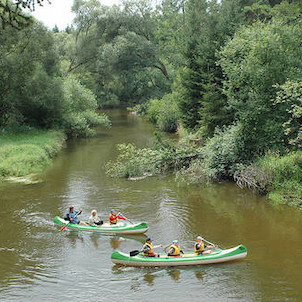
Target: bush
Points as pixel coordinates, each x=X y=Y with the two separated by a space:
x=79 y=113
x=165 y=112
x=223 y=152
x=279 y=176
x=133 y=161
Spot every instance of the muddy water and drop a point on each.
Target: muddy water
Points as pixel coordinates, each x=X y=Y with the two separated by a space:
x=39 y=263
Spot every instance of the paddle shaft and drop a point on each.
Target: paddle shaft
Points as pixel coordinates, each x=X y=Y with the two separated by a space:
x=126 y=218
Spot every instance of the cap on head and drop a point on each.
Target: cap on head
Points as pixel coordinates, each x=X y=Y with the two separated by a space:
x=112 y=210
x=175 y=241
x=199 y=238
x=93 y=211
x=148 y=239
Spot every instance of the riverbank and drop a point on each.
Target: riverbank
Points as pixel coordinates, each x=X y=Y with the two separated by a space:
x=28 y=152
x=277 y=176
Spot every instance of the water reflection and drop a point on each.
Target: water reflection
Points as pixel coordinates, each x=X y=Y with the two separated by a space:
x=149 y=278
x=74 y=237
x=115 y=242
x=174 y=274
x=95 y=240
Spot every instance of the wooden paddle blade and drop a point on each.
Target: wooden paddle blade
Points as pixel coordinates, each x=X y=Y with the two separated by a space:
x=134 y=253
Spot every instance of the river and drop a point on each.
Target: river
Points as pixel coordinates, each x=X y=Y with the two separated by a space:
x=40 y=263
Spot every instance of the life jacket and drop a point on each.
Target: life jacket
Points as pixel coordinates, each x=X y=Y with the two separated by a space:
x=150 y=251
x=113 y=221
x=200 y=249
x=176 y=250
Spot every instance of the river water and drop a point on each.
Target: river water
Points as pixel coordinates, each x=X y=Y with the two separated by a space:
x=40 y=263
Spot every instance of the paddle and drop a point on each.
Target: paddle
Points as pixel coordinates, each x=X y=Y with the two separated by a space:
x=211 y=243
x=64 y=227
x=125 y=217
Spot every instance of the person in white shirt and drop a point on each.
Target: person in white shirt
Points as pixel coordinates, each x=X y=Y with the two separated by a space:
x=94 y=219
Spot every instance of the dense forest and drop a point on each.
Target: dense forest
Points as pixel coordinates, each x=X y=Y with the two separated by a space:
x=226 y=75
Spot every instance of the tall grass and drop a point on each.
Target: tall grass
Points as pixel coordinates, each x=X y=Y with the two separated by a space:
x=278 y=176
x=27 y=152
x=287 y=177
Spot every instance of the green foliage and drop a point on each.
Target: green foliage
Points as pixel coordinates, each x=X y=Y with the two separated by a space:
x=223 y=152
x=12 y=15
x=279 y=176
x=79 y=112
x=254 y=61
x=209 y=25
x=23 y=153
x=165 y=157
x=290 y=96
x=30 y=91
x=165 y=112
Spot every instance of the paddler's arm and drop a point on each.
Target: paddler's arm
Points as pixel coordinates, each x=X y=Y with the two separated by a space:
x=156 y=246
x=171 y=251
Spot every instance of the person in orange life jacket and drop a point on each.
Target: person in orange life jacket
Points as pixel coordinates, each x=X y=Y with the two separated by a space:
x=148 y=248
x=72 y=216
x=199 y=247
x=174 y=249
x=113 y=217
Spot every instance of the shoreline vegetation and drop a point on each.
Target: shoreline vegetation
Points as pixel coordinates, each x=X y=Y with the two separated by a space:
x=277 y=176
x=23 y=153
x=225 y=74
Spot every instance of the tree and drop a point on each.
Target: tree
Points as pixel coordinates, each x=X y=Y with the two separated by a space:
x=12 y=12
x=258 y=58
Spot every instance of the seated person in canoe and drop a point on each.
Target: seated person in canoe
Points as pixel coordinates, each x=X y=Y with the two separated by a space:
x=94 y=219
x=174 y=249
x=114 y=217
x=199 y=247
x=72 y=216
x=148 y=248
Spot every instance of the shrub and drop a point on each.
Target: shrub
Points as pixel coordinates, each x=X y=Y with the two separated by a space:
x=279 y=176
x=165 y=112
x=223 y=152
x=79 y=113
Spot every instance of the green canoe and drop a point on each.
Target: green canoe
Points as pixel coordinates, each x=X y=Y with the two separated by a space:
x=119 y=228
x=217 y=256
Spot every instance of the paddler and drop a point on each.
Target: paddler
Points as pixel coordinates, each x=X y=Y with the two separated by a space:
x=72 y=216
x=113 y=217
x=174 y=249
x=199 y=247
x=148 y=248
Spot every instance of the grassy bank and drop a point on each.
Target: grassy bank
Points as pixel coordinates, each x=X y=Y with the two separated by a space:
x=28 y=152
x=278 y=176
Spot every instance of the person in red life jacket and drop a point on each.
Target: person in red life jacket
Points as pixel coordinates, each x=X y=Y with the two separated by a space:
x=148 y=248
x=113 y=217
x=200 y=248
x=174 y=249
